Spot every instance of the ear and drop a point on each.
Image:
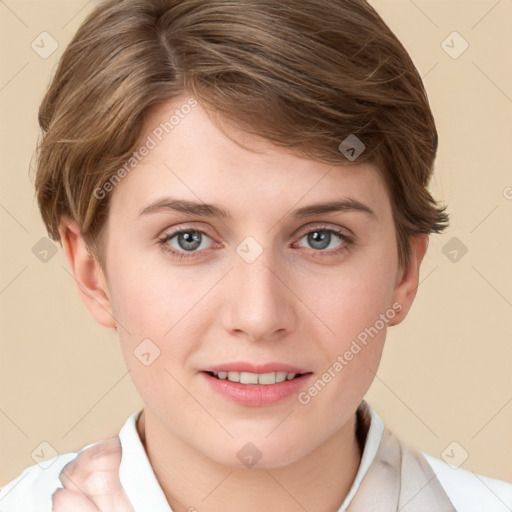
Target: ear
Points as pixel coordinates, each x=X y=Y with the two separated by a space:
x=87 y=272
x=408 y=278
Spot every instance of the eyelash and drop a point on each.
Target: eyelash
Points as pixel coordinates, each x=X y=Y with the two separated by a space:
x=348 y=241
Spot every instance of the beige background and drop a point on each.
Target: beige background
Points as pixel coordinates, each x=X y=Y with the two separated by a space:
x=446 y=372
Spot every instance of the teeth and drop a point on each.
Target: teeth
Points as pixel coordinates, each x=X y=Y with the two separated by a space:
x=234 y=376
x=267 y=378
x=256 y=378
x=280 y=376
x=248 y=378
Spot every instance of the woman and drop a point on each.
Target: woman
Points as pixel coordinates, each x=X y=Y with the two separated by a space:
x=240 y=189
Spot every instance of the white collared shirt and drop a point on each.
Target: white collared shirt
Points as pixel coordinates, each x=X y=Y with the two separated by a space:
x=31 y=491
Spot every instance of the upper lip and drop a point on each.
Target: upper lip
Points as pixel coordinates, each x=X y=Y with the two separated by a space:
x=242 y=366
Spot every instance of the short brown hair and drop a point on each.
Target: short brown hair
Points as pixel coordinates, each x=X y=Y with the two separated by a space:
x=303 y=75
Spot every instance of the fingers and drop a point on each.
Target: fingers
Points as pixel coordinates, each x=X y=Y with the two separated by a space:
x=64 y=500
x=104 y=456
x=109 y=451
x=93 y=476
x=96 y=483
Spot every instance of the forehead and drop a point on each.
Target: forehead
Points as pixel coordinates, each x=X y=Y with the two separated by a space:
x=192 y=157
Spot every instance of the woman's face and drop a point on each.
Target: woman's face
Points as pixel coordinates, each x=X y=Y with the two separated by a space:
x=268 y=287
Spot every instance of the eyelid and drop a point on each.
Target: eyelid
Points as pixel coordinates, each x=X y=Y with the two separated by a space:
x=325 y=225
x=204 y=228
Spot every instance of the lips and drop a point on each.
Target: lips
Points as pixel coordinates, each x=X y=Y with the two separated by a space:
x=256 y=389
x=255 y=368
x=256 y=385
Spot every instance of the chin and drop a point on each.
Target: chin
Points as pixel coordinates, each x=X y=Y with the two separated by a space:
x=260 y=454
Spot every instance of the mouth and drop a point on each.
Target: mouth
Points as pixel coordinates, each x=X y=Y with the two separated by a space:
x=265 y=379
x=256 y=385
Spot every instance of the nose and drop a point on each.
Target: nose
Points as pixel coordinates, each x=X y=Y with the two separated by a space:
x=259 y=302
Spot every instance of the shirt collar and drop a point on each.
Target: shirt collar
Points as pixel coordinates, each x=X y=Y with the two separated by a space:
x=144 y=491
x=136 y=474
x=374 y=427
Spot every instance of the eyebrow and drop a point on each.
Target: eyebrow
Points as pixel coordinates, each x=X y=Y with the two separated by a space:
x=211 y=210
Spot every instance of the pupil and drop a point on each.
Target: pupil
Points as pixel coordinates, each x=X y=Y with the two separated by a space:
x=319 y=239
x=189 y=240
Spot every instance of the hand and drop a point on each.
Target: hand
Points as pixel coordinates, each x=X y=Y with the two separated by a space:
x=91 y=481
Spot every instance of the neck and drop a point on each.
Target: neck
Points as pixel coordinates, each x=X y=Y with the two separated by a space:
x=191 y=481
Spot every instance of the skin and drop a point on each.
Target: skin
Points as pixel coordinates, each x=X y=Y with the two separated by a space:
x=296 y=303
x=91 y=481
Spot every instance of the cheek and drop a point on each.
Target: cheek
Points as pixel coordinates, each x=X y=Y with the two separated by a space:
x=149 y=298
x=351 y=300
x=152 y=342
x=357 y=322
x=354 y=305
x=161 y=311
x=348 y=354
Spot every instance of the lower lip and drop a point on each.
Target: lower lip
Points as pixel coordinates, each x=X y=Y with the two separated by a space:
x=257 y=395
